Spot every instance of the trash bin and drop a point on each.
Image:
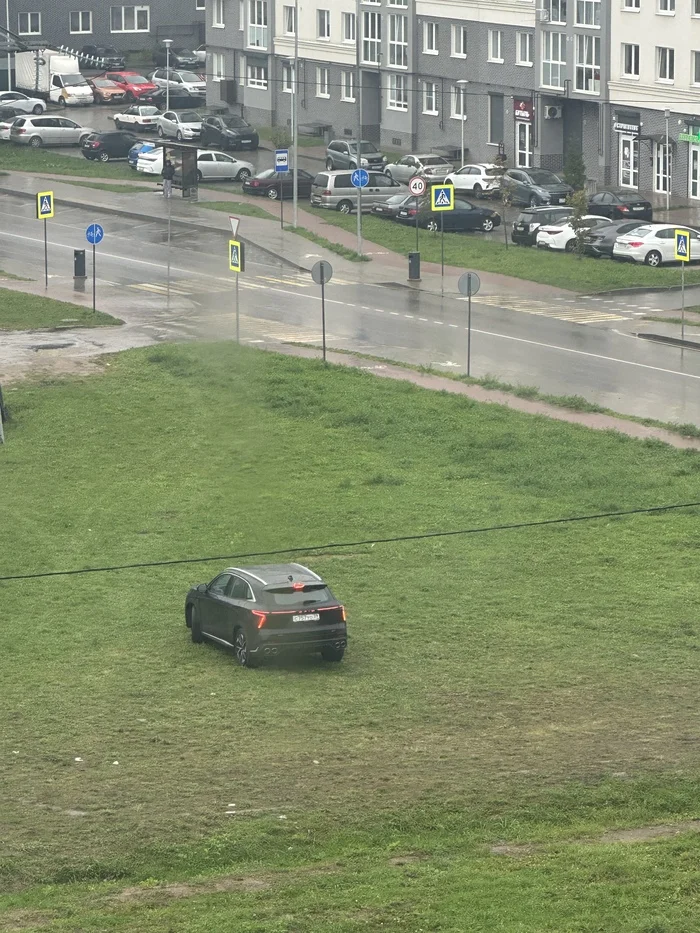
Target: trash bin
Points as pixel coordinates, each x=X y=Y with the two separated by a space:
x=414 y=267
x=79 y=264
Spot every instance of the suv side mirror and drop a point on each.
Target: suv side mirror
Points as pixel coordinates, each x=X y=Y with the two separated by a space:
x=202 y=588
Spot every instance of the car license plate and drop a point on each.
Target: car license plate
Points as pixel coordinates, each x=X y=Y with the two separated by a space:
x=638 y=208
x=307 y=617
x=562 y=200
x=379 y=210
x=246 y=140
x=520 y=226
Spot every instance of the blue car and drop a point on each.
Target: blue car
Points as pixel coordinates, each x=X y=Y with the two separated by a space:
x=138 y=150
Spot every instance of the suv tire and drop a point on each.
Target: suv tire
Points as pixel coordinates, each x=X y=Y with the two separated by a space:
x=196 y=630
x=37 y=109
x=36 y=142
x=533 y=201
x=240 y=646
x=345 y=207
x=329 y=165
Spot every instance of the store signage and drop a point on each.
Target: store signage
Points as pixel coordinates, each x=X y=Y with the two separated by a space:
x=523 y=110
x=626 y=128
x=689 y=137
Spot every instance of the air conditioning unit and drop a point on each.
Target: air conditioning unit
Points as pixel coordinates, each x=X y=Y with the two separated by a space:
x=542 y=16
x=552 y=113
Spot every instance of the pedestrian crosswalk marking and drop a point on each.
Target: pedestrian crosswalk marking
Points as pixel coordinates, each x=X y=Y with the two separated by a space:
x=544 y=309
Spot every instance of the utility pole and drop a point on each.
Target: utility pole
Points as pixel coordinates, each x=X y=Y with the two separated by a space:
x=295 y=119
x=462 y=84
x=167 y=43
x=358 y=91
x=667 y=162
x=7 y=45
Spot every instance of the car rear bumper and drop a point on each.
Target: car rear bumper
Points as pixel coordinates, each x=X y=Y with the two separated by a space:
x=274 y=643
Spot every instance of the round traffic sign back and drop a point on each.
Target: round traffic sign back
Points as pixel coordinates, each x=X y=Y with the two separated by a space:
x=417 y=185
x=322 y=272
x=469 y=284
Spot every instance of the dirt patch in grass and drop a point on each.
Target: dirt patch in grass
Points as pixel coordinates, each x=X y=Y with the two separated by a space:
x=626 y=836
x=162 y=893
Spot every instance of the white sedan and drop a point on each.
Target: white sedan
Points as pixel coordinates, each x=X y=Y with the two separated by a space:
x=217 y=166
x=654 y=244
x=22 y=102
x=563 y=236
x=141 y=116
x=479 y=179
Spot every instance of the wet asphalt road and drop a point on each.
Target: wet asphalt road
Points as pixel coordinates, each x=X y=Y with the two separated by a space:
x=517 y=341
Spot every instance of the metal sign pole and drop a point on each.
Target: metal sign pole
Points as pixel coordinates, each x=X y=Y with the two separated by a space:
x=683 y=299
x=282 y=205
x=469 y=328
x=169 y=241
x=46 y=254
x=416 y=227
x=442 y=253
x=94 y=286
x=238 y=319
x=323 y=310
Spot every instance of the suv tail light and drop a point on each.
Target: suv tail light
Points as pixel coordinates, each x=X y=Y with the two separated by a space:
x=327 y=192
x=260 y=618
x=20 y=130
x=551 y=229
x=636 y=243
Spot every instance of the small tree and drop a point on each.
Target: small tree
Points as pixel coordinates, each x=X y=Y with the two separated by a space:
x=280 y=137
x=505 y=191
x=574 y=167
x=578 y=201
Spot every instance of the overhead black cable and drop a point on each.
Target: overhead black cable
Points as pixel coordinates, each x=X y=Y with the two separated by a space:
x=353 y=544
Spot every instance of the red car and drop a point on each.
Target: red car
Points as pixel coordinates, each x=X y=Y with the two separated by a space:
x=133 y=84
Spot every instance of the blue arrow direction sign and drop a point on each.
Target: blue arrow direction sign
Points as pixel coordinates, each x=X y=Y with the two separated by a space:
x=94 y=234
x=282 y=160
x=360 y=178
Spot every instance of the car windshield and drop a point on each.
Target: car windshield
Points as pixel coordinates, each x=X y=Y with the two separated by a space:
x=268 y=173
x=184 y=53
x=541 y=177
x=233 y=122
x=312 y=594
x=137 y=79
x=190 y=77
x=434 y=160
x=148 y=111
x=73 y=80
x=103 y=82
x=189 y=116
x=366 y=146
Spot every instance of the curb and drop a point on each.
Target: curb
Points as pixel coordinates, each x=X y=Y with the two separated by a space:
x=615 y=292
x=672 y=341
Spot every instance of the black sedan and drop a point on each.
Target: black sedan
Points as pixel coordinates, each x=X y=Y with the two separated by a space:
x=103 y=147
x=261 y=612
x=620 y=205
x=276 y=185
x=393 y=205
x=465 y=216
x=229 y=132
x=178 y=58
x=600 y=241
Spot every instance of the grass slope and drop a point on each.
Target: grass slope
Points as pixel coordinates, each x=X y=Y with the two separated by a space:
x=22 y=311
x=51 y=162
x=537 y=686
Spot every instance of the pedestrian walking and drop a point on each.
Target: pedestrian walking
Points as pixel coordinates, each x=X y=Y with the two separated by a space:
x=168 y=174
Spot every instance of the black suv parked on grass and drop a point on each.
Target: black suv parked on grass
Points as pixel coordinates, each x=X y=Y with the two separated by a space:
x=261 y=612
x=528 y=222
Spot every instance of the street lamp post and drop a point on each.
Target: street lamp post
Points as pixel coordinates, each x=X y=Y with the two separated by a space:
x=167 y=43
x=295 y=120
x=7 y=45
x=358 y=91
x=461 y=84
x=667 y=160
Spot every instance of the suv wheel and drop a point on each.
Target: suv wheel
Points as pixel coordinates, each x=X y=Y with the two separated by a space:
x=195 y=626
x=353 y=165
x=477 y=191
x=243 y=655
x=36 y=142
x=345 y=207
x=160 y=132
x=433 y=226
x=533 y=201
x=330 y=653
x=178 y=136
x=329 y=165
x=104 y=157
x=38 y=109
x=570 y=245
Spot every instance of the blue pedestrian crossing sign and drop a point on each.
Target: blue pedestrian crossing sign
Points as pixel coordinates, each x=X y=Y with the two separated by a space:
x=236 y=256
x=44 y=205
x=442 y=198
x=682 y=245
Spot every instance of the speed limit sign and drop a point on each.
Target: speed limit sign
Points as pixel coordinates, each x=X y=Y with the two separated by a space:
x=417 y=185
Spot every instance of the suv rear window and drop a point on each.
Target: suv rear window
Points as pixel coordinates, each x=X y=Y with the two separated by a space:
x=312 y=594
x=321 y=180
x=343 y=181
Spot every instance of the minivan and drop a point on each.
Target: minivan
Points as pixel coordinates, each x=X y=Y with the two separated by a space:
x=48 y=131
x=335 y=190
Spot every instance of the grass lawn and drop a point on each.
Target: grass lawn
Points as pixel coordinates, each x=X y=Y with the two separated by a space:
x=305 y=142
x=21 y=311
x=236 y=208
x=475 y=251
x=53 y=162
x=528 y=690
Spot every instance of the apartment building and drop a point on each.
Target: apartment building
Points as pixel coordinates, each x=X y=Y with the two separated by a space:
x=655 y=95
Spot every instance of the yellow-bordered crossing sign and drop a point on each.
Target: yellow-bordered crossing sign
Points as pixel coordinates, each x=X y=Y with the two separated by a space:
x=682 y=245
x=442 y=198
x=236 y=256
x=44 y=205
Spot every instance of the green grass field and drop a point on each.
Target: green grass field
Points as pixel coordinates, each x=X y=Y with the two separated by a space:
x=22 y=311
x=15 y=158
x=508 y=698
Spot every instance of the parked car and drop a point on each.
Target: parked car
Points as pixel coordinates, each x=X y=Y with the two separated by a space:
x=21 y=102
x=179 y=79
x=391 y=207
x=261 y=612
x=8 y=115
x=529 y=221
x=178 y=58
x=173 y=98
x=274 y=184
x=654 y=244
x=335 y=190
x=229 y=132
x=562 y=236
x=620 y=205
x=48 y=131
x=133 y=84
x=181 y=124
x=138 y=116
x=101 y=57
x=479 y=179
x=600 y=241
x=150 y=162
x=105 y=91
x=465 y=216
x=342 y=153
x=535 y=186
x=103 y=147
x=432 y=167
x=200 y=53
x=219 y=166
x=139 y=149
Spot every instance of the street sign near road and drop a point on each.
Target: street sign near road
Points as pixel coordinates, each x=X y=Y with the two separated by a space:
x=282 y=160
x=44 y=205
x=469 y=284
x=322 y=272
x=234 y=221
x=360 y=178
x=417 y=185
x=682 y=251
x=236 y=256
x=94 y=234
x=442 y=197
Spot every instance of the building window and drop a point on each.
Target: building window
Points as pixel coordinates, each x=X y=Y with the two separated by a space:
x=371 y=37
x=287 y=86
x=129 y=19
x=495 y=45
x=430 y=98
x=555 y=12
x=459 y=41
x=217 y=16
x=257 y=25
x=631 y=5
x=459 y=102
x=241 y=15
x=217 y=66
x=323 y=81
x=290 y=22
x=430 y=38
x=588 y=64
x=630 y=60
x=257 y=76
x=696 y=8
x=348 y=27
x=665 y=64
x=496 y=122
x=553 y=59
x=80 y=22
x=588 y=12
x=402 y=3
x=29 y=24
x=200 y=5
x=323 y=24
x=663 y=168
x=667 y=6
x=347 y=86
x=398 y=40
x=695 y=67
x=398 y=93
x=524 y=48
